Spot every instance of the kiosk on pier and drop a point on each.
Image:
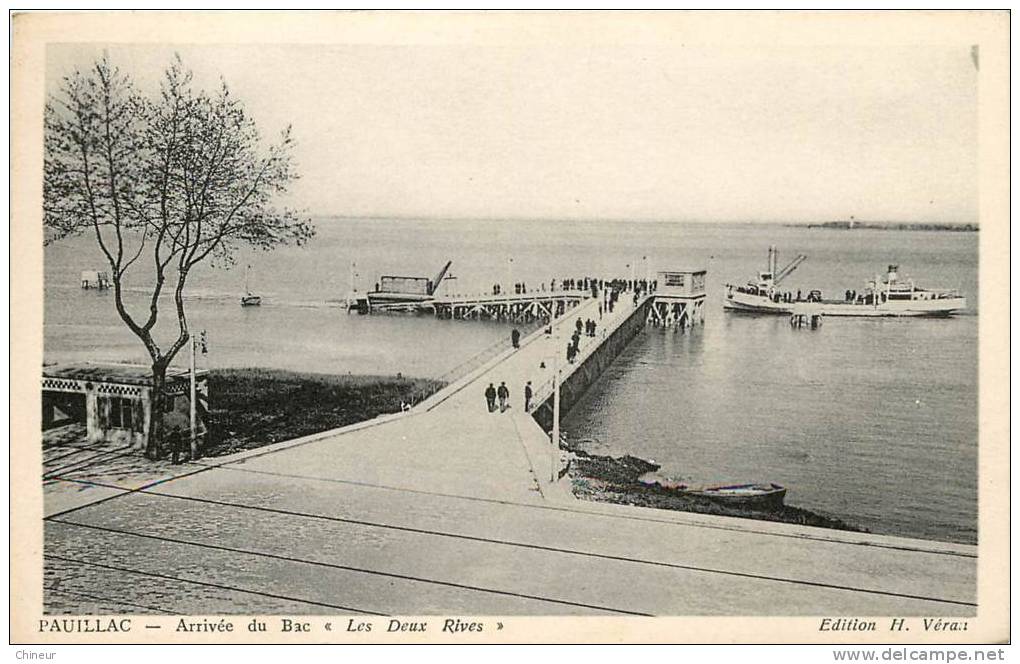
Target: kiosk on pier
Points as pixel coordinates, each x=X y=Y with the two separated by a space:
x=679 y=298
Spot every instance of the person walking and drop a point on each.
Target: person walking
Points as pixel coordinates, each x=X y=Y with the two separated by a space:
x=490 y=397
x=528 y=393
x=176 y=439
x=515 y=338
x=503 y=393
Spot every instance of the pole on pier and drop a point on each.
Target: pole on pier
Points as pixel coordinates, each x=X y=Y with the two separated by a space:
x=194 y=428
x=510 y=274
x=555 y=451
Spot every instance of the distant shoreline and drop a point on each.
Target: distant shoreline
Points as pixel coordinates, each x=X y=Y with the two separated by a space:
x=890 y=226
x=879 y=225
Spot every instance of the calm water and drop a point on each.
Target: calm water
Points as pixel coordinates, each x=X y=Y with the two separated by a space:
x=874 y=421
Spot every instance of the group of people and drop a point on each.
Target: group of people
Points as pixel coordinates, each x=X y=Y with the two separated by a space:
x=850 y=296
x=497 y=397
x=596 y=286
x=588 y=328
x=573 y=347
x=502 y=395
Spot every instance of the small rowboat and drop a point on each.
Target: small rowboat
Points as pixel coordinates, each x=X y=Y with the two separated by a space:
x=769 y=495
x=762 y=496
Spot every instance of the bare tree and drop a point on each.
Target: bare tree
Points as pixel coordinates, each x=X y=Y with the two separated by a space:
x=182 y=177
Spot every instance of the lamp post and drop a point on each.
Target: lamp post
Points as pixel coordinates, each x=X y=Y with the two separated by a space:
x=554 y=451
x=509 y=274
x=194 y=432
x=194 y=394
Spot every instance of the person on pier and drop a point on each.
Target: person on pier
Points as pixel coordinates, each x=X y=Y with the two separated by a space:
x=528 y=393
x=503 y=393
x=490 y=397
x=515 y=338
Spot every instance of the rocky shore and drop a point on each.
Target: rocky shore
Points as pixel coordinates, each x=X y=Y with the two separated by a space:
x=615 y=480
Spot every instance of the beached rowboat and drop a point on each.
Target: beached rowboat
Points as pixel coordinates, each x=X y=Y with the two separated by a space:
x=756 y=495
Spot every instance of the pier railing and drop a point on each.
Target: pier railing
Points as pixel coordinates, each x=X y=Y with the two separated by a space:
x=544 y=389
x=467 y=366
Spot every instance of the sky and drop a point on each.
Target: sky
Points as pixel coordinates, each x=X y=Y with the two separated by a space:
x=664 y=132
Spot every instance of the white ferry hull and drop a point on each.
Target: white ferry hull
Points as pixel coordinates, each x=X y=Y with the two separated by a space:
x=934 y=307
x=736 y=301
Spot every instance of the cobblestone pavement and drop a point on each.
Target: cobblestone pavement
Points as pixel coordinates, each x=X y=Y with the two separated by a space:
x=76 y=472
x=256 y=538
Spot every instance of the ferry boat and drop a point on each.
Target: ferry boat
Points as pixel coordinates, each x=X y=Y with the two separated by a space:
x=401 y=293
x=881 y=297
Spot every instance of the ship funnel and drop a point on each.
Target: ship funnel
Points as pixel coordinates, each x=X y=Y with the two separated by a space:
x=892 y=276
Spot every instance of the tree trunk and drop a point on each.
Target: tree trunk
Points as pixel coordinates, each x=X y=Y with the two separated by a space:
x=157 y=400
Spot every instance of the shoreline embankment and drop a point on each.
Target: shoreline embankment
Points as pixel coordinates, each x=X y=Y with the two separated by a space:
x=610 y=479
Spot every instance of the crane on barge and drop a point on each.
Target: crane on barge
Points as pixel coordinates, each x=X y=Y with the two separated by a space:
x=786 y=271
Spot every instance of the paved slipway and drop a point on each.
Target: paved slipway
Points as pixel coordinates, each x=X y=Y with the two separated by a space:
x=448 y=509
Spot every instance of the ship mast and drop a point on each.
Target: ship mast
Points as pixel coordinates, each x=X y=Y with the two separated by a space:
x=773 y=259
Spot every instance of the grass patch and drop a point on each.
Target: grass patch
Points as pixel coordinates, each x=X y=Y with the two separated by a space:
x=250 y=408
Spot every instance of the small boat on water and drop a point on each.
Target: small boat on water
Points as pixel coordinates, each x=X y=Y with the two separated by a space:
x=881 y=297
x=249 y=299
x=755 y=495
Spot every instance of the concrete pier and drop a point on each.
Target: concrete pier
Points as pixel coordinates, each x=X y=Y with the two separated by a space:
x=449 y=509
x=613 y=333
